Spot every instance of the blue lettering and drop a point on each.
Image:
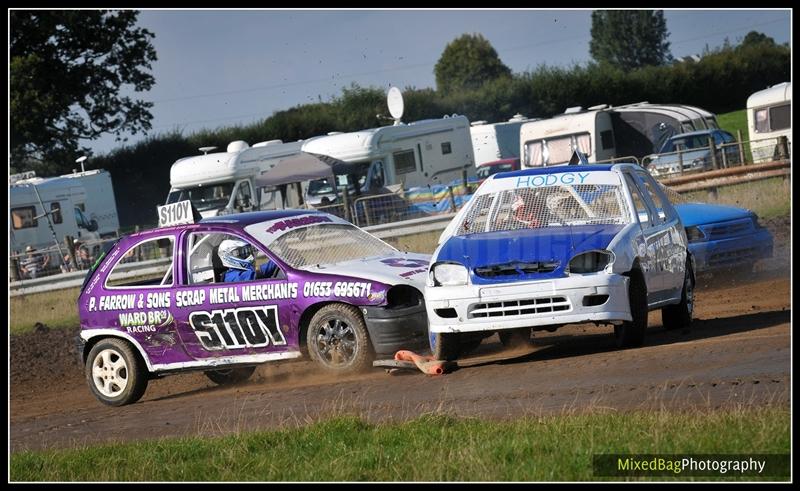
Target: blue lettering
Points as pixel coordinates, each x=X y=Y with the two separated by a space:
x=583 y=176
x=540 y=182
x=523 y=181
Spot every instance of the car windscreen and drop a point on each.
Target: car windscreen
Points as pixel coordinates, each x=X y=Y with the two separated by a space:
x=545 y=206
x=327 y=244
x=204 y=197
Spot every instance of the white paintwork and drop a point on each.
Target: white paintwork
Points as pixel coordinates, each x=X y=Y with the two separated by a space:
x=375 y=270
x=591 y=122
x=659 y=246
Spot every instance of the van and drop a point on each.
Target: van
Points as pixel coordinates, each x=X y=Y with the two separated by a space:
x=81 y=205
x=224 y=182
x=431 y=151
x=769 y=116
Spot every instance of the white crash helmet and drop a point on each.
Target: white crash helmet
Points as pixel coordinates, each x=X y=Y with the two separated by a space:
x=236 y=254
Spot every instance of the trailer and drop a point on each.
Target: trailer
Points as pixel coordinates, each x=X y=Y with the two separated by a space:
x=769 y=116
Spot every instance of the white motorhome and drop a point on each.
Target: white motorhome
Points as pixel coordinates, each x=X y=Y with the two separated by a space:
x=81 y=205
x=431 y=151
x=769 y=116
x=224 y=182
x=605 y=132
x=496 y=141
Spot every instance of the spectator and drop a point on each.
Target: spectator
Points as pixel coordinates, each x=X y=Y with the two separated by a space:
x=33 y=264
x=83 y=255
x=66 y=264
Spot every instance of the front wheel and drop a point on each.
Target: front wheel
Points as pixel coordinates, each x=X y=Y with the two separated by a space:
x=115 y=373
x=445 y=346
x=631 y=333
x=337 y=339
x=680 y=315
x=515 y=338
x=230 y=376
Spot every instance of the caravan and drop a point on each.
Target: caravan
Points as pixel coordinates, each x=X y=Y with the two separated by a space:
x=607 y=133
x=769 y=115
x=496 y=141
x=225 y=182
x=81 y=205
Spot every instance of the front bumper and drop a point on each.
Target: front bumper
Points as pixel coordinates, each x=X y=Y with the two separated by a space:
x=471 y=308
x=730 y=252
x=394 y=329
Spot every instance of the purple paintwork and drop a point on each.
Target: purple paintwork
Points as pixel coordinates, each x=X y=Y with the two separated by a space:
x=186 y=326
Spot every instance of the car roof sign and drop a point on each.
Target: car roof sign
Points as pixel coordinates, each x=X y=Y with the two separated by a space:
x=180 y=213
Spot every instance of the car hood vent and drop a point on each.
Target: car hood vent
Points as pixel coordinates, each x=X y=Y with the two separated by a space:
x=516 y=269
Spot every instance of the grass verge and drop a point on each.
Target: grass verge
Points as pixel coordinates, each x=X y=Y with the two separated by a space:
x=768 y=198
x=430 y=448
x=56 y=309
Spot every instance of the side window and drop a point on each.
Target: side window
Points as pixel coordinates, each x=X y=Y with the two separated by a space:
x=157 y=252
x=244 y=198
x=377 y=175
x=638 y=201
x=404 y=162
x=205 y=262
x=55 y=212
x=655 y=197
x=761 y=122
x=446 y=148
x=780 y=117
x=607 y=139
x=24 y=217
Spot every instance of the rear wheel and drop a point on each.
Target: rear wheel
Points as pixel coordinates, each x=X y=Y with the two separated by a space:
x=631 y=333
x=337 y=339
x=115 y=372
x=680 y=315
x=229 y=376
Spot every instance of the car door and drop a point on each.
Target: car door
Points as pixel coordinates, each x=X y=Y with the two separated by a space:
x=671 y=241
x=647 y=243
x=235 y=321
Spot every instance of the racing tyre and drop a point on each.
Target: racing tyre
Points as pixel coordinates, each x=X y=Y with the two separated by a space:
x=337 y=339
x=229 y=376
x=631 y=333
x=680 y=315
x=115 y=372
x=515 y=338
x=445 y=346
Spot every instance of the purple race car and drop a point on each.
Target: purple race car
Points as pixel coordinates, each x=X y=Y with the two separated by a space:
x=320 y=286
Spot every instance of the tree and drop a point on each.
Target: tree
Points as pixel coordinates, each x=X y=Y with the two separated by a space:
x=755 y=38
x=468 y=62
x=67 y=70
x=629 y=39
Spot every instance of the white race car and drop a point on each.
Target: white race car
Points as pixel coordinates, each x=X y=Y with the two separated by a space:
x=541 y=248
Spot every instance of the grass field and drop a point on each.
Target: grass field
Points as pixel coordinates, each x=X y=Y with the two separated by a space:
x=768 y=198
x=430 y=448
x=733 y=122
x=55 y=309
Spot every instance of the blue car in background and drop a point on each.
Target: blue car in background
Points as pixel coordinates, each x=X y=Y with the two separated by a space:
x=723 y=236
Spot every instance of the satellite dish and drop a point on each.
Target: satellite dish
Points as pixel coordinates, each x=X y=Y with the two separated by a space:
x=81 y=159
x=205 y=150
x=395 y=102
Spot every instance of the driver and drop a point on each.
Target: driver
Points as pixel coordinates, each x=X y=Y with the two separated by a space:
x=525 y=206
x=239 y=257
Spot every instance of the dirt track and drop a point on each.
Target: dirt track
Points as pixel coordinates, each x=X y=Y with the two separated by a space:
x=737 y=353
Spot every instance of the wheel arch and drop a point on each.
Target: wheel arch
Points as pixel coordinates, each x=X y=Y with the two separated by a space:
x=308 y=314
x=97 y=335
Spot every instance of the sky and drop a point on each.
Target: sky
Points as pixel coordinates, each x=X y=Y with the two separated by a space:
x=220 y=68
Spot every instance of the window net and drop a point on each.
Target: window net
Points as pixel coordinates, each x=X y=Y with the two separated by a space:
x=546 y=206
x=327 y=244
